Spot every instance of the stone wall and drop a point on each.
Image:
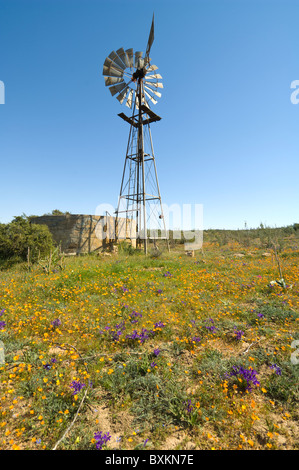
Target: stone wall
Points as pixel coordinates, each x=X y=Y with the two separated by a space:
x=79 y=233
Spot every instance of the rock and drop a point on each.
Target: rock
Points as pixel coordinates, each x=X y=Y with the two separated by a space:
x=190 y=446
x=190 y=253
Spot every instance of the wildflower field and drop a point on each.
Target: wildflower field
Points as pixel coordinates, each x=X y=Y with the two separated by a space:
x=140 y=352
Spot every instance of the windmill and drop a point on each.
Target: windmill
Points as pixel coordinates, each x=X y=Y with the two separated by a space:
x=134 y=81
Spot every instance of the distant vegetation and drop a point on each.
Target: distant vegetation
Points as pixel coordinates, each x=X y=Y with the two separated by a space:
x=20 y=239
x=261 y=237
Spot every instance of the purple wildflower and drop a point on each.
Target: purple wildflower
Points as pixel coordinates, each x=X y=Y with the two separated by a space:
x=1 y=312
x=276 y=368
x=115 y=333
x=189 y=406
x=120 y=326
x=77 y=386
x=157 y=352
x=211 y=327
x=196 y=339
x=248 y=374
x=134 y=316
x=101 y=439
x=143 y=335
x=159 y=291
x=56 y=322
x=159 y=324
x=238 y=334
x=101 y=332
x=153 y=364
x=133 y=335
x=167 y=274
x=2 y=325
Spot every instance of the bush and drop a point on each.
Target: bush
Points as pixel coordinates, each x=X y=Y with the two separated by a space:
x=126 y=248
x=19 y=235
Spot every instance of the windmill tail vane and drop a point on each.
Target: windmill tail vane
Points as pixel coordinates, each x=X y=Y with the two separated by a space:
x=134 y=81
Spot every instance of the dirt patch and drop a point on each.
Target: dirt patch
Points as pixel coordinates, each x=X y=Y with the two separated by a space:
x=174 y=441
x=56 y=351
x=102 y=419
x=284 y=433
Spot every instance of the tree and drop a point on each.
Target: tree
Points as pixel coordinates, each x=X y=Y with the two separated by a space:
x=19 y=235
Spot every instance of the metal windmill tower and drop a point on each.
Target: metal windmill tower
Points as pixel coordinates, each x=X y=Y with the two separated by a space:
x=134 y=81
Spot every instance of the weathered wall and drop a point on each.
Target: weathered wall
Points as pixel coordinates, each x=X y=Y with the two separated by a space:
x=79 y=233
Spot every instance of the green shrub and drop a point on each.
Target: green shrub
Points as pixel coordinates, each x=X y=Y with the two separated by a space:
x=126 y=248
x=284 y=387
x=20 y=237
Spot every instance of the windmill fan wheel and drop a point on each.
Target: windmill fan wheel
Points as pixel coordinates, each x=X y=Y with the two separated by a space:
x=123 y=69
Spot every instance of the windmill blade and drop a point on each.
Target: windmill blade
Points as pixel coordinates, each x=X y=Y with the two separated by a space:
x=150 y=97
x=117 y=88
x=143 y=101
x=151 y=68
x=146 y=102
x=153 y=91
x=141 y=62
x=123 y=56
x=129 y=101
x=112 y=80
x=138 y=56
x=150 y=41
x=122 y=95
x=110 y=63
x=155 y=84
x=129 y=53
x=111 y=70
x=123 y=92
x=114 y=57
x=156 y=76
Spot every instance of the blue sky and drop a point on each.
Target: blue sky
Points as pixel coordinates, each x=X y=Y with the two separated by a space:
x=228 y=138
